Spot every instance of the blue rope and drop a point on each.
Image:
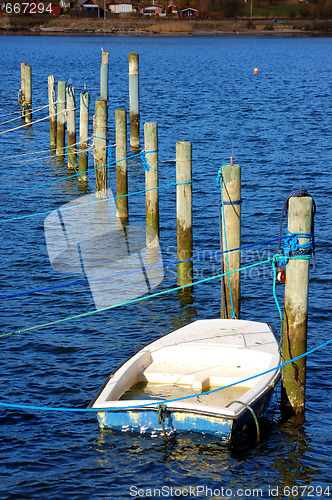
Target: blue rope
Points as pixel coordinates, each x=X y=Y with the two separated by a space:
x=291 y=244
x=281 y=259
x=80 y=410
x=134 y=271
x=274 y=260
x=292 y=247
x=182 y=183
x=76 y=174
x=219 y=252
x=144 y=162
x=133 y=301
x=93 y=202
x=102 y=138
x=299 y=193
x=88 y=203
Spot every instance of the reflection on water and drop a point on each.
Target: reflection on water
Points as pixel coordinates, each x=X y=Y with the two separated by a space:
x=194 y=459
x=297 y=469
x=187 y=453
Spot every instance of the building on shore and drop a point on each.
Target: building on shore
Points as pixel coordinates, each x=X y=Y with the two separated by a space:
x=149 y=10
x=121 y=8
x=188 y=13
x=87 y=8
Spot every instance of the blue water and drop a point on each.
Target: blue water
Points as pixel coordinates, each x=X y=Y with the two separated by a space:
x=202 y=90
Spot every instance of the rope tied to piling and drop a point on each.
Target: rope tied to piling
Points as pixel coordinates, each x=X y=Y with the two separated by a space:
x=80 y=150
x=290 y=248
x=144 y=160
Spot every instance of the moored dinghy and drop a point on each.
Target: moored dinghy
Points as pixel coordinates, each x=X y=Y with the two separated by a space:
x=143 y=393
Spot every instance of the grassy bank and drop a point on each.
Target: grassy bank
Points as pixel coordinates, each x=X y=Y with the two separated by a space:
x=51 y=24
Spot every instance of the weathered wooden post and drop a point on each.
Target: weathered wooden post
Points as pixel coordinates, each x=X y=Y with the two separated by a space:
x=231 y=238
x=134 y=100
x=121 y=164
x=151 y=184
x=52 y=110
x=84 y=135
x=28 y=95
x=104 y=76
x=184 y=213
x=294 y=342
x=100 y=145
x=22 y=99
x=71 y=127
x=61 y=119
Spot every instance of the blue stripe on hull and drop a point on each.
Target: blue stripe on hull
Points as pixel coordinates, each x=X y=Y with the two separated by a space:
x=145 y=421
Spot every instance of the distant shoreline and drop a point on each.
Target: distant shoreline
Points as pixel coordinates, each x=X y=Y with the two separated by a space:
x=38 y=25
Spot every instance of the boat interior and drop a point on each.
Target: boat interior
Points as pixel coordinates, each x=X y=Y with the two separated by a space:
x=200 y=368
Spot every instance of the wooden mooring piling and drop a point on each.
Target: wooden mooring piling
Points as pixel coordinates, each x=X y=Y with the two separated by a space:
x=151 y=184
x=184 y=213
x=22 y=90
x=52 y=110
x=61 y=119
x=26 y=93
x=71 y=128
x=100 y=145
x=104 y=76
x=134 y=115
x=83 y=139
x=121 y=164
x=230 y=239
x=294 y=341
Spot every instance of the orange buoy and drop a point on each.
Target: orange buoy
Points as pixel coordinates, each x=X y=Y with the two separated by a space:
x=256 y=70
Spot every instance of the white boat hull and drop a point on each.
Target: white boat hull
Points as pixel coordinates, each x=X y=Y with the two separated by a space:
x=211 y=376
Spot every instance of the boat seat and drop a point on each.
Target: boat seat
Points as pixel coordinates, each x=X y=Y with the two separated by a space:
x=199 y=379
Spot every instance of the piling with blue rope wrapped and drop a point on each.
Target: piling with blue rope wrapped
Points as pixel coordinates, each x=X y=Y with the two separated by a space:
x=296 y=252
